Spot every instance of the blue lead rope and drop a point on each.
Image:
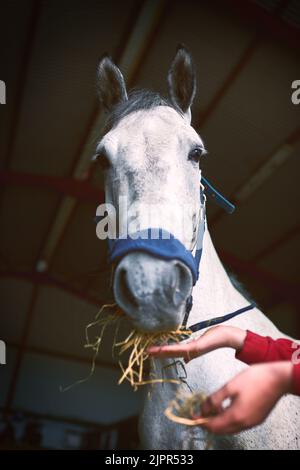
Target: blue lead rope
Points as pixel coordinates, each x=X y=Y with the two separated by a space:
x=217 y=196
x=217 y=320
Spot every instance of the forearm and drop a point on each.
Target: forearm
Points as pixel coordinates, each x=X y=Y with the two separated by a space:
x=283 y=376
x=257 y=349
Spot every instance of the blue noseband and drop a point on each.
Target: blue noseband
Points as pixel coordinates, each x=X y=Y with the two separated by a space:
x=165 y=246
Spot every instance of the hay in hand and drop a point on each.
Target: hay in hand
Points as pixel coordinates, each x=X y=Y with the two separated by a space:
x=186 y=409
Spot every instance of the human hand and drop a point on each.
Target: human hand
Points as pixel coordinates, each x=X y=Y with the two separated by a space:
x=252 y=393
x=214 y=338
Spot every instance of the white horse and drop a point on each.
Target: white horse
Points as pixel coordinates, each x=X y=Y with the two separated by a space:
x=151 y=154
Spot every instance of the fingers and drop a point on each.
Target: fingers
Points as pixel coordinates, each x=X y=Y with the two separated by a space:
x=213 y=338
x=213 y=404
x=227 y=422
x=188 y=350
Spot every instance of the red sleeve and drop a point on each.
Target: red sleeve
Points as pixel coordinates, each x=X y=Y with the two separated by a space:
x=265 y=349
x=297 y=379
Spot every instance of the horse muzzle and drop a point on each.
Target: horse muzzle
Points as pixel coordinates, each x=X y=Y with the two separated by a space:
x=153 y=279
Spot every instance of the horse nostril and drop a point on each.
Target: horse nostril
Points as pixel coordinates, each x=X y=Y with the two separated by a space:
x=125 y=290
x=183 y=284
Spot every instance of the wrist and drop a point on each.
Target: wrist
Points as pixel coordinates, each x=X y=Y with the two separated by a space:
x=236 y=338
x=283 y=371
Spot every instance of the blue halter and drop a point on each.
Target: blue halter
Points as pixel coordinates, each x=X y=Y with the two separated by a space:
x=162 y=244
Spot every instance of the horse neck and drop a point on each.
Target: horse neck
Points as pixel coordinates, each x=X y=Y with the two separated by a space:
x=214 y=294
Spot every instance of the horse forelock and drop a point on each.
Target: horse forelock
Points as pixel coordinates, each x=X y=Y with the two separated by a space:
x=138 y=99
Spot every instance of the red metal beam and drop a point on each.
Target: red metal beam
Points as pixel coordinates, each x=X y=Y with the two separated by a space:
x=285 y=238
x=84 y=191
x=284 y=289
x=79 y=189
x=281 y=290
x=267 y=22
x=66 y=356
x=95 y=425
x=47 y=279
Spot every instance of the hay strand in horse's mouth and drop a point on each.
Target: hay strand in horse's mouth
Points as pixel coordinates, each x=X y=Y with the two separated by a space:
x=136 y=343
x=186 y=408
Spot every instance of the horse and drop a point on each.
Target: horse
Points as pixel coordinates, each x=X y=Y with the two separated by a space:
x=151 y=154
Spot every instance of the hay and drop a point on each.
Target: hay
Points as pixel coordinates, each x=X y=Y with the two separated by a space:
x=95 y=346
x=185 y=408
x=138 y=342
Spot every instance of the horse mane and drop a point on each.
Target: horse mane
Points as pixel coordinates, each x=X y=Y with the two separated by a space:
x=138 y=99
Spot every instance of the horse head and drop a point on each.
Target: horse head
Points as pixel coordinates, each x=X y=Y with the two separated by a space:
x=150 y=155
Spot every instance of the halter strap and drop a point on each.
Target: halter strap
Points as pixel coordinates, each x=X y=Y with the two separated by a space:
x=217 y=320
x=229 y=207
x=217 y=196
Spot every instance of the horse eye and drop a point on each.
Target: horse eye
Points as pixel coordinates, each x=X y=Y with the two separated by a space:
x=103 y=160
x=196 y=154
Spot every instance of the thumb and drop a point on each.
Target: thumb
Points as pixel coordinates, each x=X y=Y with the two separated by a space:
x=214 y=403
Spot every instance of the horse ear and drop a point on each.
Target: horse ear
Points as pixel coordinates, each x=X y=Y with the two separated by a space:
x=110 y=83
x=182 y=81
